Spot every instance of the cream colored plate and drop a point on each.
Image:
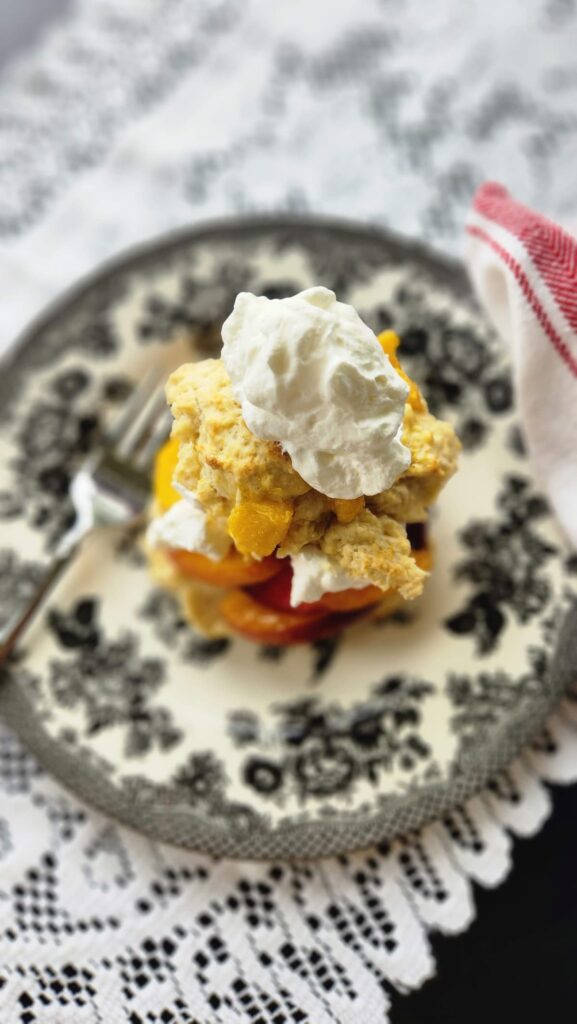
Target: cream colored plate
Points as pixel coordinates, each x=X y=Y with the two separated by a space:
x=246 y=751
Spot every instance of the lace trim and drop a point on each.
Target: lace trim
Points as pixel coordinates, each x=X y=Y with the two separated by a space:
x=173 y=936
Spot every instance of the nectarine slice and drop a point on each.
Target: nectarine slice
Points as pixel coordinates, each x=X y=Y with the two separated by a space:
x=164 y=468
x=275 y=593
x=389 y=342
x=231 y=571
x=257 y=527
x=265 y=625
x=351 y=600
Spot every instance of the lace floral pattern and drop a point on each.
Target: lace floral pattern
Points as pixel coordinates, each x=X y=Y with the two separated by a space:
x=96 y=917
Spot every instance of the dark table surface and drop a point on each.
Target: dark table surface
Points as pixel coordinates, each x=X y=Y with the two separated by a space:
x=518 y=960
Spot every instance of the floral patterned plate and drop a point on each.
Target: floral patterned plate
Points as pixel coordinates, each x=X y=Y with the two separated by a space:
x=253 y=751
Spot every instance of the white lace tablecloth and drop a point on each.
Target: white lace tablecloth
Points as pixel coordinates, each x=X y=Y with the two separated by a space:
x=126 y=120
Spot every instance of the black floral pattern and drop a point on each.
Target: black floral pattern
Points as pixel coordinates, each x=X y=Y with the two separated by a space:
x=52 y=438
x=99 y=338
x=323 y=654
x=516 y=441
x=498 y=393
x=472 y=433
x=481 y=701
x=455 y=366
x=203 y=776
x=109 y=681
x=162 y=611
x=312 y=757
x=327 y=748
x=91 y=329
x=505 y=565
x=199 y=307
x=200 y=783
x=339 y=269
x=18 y=580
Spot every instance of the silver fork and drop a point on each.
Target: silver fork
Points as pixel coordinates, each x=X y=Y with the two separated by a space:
x=111 y=487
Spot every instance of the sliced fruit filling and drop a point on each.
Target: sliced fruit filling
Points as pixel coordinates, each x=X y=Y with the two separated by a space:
x=257 y=598
x=264 y=551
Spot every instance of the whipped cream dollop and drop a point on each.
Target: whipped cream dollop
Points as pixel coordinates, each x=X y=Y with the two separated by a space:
x=185 y=525
x=315 y=574
x=310 y=374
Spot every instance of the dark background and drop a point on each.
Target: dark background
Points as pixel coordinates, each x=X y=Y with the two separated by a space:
x=518 y=960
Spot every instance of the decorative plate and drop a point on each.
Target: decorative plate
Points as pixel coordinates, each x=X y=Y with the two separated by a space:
x=268 y=752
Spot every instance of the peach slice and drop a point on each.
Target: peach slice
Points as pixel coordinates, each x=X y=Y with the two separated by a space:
x=164 y=468
x=389 y=342
x=231 y=571
x=257 y=527
x=352 y=600
x=264 y=625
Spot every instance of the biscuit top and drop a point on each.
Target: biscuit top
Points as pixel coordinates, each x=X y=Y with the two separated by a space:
x=249 y=487
x=309 y=374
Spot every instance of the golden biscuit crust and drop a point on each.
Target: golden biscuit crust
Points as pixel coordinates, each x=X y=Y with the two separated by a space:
x=375 y=548
x=226 y=465
x=434 y=451
x=218 y=453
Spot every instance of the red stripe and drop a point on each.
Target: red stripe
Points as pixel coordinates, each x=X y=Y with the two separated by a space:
x=552 y=250
x=523 y=282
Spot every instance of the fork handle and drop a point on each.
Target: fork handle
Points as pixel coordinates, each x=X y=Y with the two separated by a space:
x=19 y=622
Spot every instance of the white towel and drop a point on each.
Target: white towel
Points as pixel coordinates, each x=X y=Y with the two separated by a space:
x=524 y=269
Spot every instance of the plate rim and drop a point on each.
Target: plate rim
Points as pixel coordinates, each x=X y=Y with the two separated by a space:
x=324 y=836
x=139 y=253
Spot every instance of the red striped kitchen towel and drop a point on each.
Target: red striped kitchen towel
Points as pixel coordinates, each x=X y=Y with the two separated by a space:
x=524 y=269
